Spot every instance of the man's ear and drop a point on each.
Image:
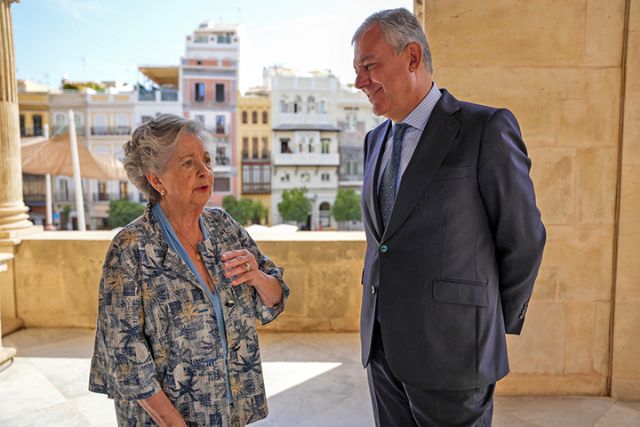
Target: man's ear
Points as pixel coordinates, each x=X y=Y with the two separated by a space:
x=415 y=55
x=155 y=181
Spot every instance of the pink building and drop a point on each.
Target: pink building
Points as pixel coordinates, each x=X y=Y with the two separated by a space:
x=209 y=76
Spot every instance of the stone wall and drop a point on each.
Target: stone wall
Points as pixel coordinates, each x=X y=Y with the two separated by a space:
x=558 y=66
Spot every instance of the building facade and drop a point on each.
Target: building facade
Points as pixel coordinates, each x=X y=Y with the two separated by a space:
x=209 y=84
x=254 y=147
x=305 y=141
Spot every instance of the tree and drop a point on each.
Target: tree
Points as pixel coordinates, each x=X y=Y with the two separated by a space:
x=122 y=212
x=347 y=206
x=244 y=210
x=294 y=205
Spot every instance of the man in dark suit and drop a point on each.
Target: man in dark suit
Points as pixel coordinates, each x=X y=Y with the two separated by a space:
x=454 y=237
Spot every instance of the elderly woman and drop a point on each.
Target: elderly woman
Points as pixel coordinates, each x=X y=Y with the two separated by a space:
x=181 y=289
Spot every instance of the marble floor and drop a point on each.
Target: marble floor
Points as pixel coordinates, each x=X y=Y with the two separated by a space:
x=311 y=380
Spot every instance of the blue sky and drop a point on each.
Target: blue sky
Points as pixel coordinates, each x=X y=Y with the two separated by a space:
x=108 y=39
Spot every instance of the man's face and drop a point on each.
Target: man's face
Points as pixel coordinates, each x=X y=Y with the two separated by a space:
x=383 y=75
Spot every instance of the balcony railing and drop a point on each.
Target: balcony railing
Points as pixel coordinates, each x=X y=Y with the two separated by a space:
x=161 y=95
x=222 y=161
x=256 y=187
x=106 y=197
x=110 y=130
x=29 y=131
x=306 y=159
x=80 y=130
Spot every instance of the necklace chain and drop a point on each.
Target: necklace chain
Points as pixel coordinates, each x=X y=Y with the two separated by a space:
x=194 y=246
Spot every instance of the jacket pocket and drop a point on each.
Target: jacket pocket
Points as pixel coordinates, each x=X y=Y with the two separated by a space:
x=461 y=292
x=452 y=173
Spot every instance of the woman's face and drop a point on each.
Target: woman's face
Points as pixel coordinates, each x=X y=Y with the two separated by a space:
x=187 y=178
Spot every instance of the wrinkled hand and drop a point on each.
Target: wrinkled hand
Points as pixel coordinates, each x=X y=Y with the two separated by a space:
x=242 y=266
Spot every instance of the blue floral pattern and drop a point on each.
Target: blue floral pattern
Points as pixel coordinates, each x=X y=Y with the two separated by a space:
x=156 y=330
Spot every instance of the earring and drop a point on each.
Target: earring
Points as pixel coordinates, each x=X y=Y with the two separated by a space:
x=163 y=193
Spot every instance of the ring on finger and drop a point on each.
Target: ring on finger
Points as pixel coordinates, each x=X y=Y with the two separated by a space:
x=248 y=265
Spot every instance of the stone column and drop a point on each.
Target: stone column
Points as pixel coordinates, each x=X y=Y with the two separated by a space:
x=13 y=212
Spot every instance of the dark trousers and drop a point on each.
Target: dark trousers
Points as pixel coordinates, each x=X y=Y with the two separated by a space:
x=396 y=404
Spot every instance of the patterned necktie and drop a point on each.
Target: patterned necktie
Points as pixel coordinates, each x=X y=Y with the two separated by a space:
x=387 y=193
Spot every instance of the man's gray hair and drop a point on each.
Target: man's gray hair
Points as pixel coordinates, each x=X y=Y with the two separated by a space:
x=152 y=144
x=399 y=28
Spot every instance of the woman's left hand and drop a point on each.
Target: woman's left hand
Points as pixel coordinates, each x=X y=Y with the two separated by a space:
x=241 y=266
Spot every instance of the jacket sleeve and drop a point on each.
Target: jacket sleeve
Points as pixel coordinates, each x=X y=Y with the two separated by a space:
x=263 y=313
x=509 y=198
x=122 y=364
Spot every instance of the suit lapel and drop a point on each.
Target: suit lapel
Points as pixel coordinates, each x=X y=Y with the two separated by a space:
x=434 y=144
x=372 y=212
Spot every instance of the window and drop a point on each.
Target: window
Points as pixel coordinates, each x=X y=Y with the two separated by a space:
x=265 y=148
x=283 y=106
x=323 y=107
x=256 y=179
x=221 y=184
x=265 y=117
x=326 y=144
x=325 y=177
x=23 y=131
x=297 y=105
x=305 y=177
x=325 y=214
x=64 y=191
x=198 y=91
x=284 y=146
x=102 y=191
x=124 y=190
x=219 y=92
x=220 y=128
x=221 y=156
x=254 y=117
x=37 y=125
x=254 y=147
x=285 y=177
x=311 y=104
x=245 y=147
x=244 y=117
x=200 y=39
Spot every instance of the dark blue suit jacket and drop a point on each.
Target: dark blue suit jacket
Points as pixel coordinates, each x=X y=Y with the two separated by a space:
x=454 y=269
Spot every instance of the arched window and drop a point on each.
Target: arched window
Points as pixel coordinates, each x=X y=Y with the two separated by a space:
x=323 y=107
x=265 y=117
x=254 y=117
x=244 y=117
x=311 y=104
x=283 y=106
x=325 y=214
x=297 y=105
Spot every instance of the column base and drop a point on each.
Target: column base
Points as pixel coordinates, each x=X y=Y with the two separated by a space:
x=22 y=232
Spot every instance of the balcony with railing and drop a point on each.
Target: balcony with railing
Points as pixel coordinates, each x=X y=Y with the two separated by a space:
x=306 y=159
x=110 y=130
x=158 y=95
x=80 y=130
x=256 y=187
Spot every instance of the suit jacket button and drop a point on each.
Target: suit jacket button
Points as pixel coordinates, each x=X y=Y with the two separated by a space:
x=229 y=303
x=384 y=248
x=373 y=289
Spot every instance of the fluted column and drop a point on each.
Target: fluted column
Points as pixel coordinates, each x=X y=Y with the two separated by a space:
x=13 y=212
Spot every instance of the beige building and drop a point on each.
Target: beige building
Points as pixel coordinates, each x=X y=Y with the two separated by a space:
x=254 y=147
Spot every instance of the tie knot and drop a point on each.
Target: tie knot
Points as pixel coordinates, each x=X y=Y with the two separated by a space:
x=399 y=130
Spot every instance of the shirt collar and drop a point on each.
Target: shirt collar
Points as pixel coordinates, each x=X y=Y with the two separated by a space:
x=420 y=115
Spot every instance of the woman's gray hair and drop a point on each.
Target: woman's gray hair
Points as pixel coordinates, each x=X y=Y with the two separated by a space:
x=152 y=144
x=399 y=28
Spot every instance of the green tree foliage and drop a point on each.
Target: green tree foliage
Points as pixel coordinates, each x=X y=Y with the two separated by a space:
x=244 y=211
x=122 y=212
x=347 y=206
x=294 y=205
